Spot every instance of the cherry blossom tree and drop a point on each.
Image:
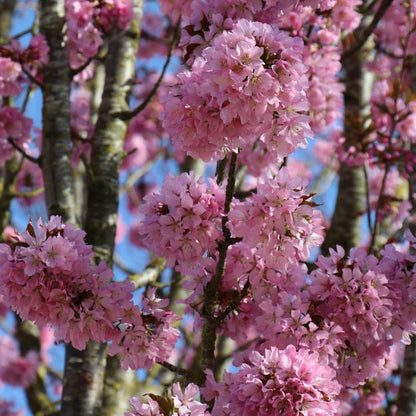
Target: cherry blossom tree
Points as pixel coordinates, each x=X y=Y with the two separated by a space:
x=166 y=220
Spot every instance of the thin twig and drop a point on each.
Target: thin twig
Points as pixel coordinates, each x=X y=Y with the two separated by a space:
x=31 y=77
x=235 y=302
x=127 y=115
x=211 y=290
x=23 y=33
x=81 y=68
x=29 y=92
x=220 y=169
x=362 y=34
x=150 y=274
x=23 y=153
x=394 y=122
x=188 y=375
x=377 y=218
x=367 y=198
x=28 y=194
x=138 y=174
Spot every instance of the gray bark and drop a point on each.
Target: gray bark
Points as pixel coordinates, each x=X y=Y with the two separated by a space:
x=11 y=168
x=406 y=398
x=27 y=333
x=406 y=401
x=87 y=368
x=83 y=380
x=56 y=146
x=346 y=221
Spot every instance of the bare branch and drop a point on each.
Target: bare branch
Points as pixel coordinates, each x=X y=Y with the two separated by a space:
x=363 y=33
x=127 y=115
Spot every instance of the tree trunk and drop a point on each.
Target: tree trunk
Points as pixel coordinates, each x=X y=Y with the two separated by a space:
x=56 y=145
x=87 y=368
x=346 y=221
x=406 y=399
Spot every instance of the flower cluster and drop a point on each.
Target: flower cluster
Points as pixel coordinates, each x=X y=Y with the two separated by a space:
x=180 y=403
x=247 y=89
x=290 y=381
x=325 y=90
x=393 y=33
x=15 y=369
x=182 y=222
x=6 y=409
x=87 y=20
x=48 y=276
x=15 y=58
x=395 y=123
x=10 y=77
x=119 y=12
x=279 y=221
x=146 y=336
x=13 y=126
x=203 y=20
x=365 y=297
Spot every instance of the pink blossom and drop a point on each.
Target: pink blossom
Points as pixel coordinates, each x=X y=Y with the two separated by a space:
x=14 y=126
x=15 y=369
x=288 y=381
x=116 y=11
x=181 y=403
x=364 y=295
x=277 y=221
x=182 y=221
x=151 y=408
x=84 y=38
x=185 y=403
x=6 y=409
x=345 y=15
x=47 y=339
x=10 y=74
x=237 y=91
x=48 y=277
x=29 y=181
x=144 y=337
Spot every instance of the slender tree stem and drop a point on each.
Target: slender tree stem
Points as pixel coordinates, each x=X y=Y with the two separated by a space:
x=211 y=290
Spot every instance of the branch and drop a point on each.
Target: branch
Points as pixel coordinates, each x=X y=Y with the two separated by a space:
x=28 y=336
x=81 y=68
x=128 y=115
x=106 y=393
x=7 y=8
x=36 y=160
x=211 y=290
x=29 y=92
x=188 y=375
x=367 y=199
x=10 y=172
x=377 y=219
x=234 y=303
x=56 y=144
x=362 y=34
x=29 y=194
x=31 y=77
x=138 y=174
x=23 y=33
x=220 y=169
x=394 y=122
x=148 y=276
